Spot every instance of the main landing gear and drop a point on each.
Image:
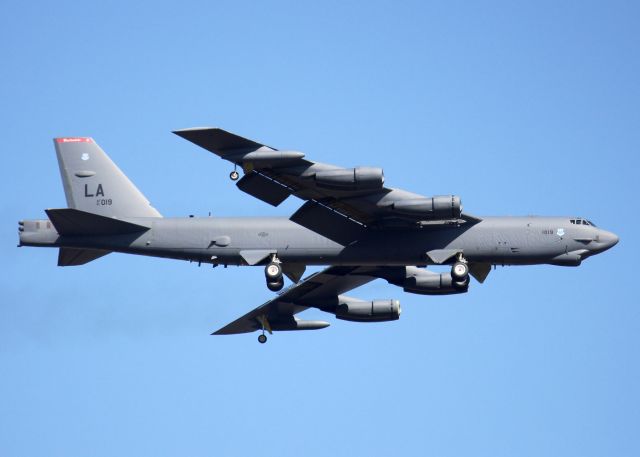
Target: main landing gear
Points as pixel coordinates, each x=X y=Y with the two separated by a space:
x=273 y=275
x=460 y=273
x=262 y=338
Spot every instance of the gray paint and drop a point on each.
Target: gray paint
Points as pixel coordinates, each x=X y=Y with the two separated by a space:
x=360 y=228
x=494 y=240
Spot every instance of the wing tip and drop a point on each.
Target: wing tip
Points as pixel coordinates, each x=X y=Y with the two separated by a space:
x=193 y=129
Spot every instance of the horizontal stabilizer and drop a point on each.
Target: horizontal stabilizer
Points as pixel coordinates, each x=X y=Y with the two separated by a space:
x=71 y=256
x=73 y=222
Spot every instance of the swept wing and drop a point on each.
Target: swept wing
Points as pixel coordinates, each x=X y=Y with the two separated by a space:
x=340 y=202
x=319 y=290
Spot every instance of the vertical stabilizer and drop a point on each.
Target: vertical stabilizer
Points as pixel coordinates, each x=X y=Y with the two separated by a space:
x=93 y=183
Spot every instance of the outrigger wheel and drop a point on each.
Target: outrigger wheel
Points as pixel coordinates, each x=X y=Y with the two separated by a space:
x=262 y=338
x=234 y=175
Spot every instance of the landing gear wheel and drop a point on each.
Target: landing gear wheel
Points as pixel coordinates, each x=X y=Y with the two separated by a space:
x=273 y=272
x=234 y=175
x=462 y=285
x=262 y=338
x=275 y=286
x=460 y=271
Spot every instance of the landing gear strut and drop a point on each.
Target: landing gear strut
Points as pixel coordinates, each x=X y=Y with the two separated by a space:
x=264 y=323
x=273 y=274
x=234 y=175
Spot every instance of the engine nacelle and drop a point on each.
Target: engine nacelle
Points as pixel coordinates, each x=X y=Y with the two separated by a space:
x=361 y=178
x=442 y=207
x=424 y=282
x=368 y=311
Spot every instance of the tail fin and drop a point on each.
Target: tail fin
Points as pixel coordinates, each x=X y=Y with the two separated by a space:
x=93 y=183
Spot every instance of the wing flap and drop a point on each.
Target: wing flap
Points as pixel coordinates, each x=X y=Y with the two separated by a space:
x=263 y=188
x=328 y=223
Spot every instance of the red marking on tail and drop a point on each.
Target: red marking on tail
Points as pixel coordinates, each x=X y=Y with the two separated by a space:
x=74 y=140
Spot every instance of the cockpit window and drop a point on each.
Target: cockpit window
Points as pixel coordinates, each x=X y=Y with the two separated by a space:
x=581 y=222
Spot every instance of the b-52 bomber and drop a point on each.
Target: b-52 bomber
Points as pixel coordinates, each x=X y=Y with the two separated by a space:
x=350 y=222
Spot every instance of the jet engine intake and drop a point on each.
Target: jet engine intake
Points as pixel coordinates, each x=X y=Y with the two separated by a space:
x=442 y=207
x=360 y=178
x=368 y=311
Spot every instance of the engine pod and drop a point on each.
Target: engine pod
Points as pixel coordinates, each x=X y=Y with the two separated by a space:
x=424 y=282
x=368 y=311
x=360 y=178
x=441 y=207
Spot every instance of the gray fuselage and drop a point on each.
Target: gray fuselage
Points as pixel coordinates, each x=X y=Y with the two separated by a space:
x=232 y=241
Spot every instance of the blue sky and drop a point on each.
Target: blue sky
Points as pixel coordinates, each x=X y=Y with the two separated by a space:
x=519 y=107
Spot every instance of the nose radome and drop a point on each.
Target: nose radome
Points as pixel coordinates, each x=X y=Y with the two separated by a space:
x=608 y=239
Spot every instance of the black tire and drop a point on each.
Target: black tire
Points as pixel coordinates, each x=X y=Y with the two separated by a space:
x=275 y=286
x=234 y=175
x=462 y=285
x=273 y=272
x=460 y=271
x=262 y=339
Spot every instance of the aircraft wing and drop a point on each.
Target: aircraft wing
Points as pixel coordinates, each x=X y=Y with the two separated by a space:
x=319 y=290
x=340 y=202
